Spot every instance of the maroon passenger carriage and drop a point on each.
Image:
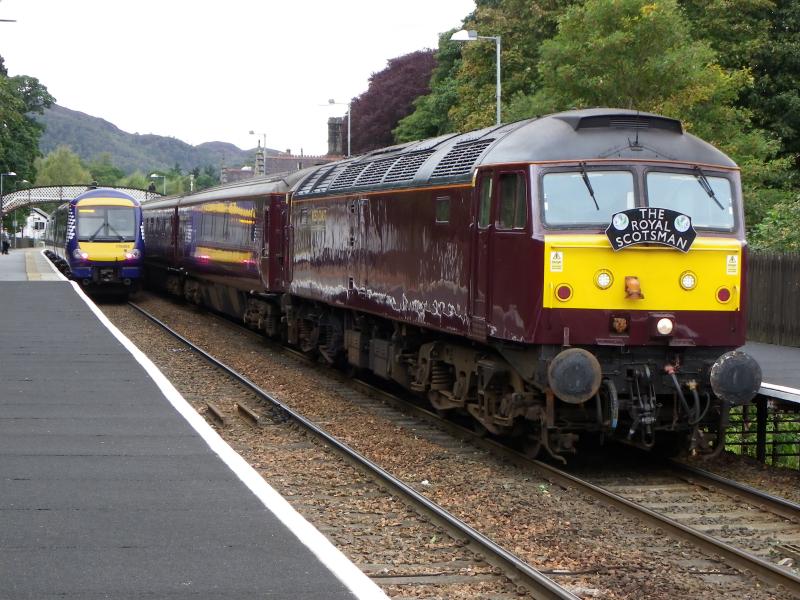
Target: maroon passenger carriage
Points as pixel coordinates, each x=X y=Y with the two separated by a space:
x=476 y=269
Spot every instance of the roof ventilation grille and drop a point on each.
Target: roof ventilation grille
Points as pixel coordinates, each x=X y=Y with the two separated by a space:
x=406 y=167
x=460 y=159
x=348 y=176
x=375 y=172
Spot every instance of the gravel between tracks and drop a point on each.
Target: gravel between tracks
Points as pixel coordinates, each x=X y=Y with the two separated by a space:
x=591 y=549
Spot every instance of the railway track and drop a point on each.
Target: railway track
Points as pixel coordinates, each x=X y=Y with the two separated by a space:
x=606 y=572
x=517 y=570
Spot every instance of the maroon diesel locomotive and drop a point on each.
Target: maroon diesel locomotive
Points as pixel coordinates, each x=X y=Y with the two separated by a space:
x=573 y=276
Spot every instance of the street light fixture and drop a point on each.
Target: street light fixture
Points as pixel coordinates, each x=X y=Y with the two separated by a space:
x=164 y=177
x=471 y=35
x=347 y=104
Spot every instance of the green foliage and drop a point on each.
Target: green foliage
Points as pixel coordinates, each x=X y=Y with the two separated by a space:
x=61 y=167
x=523 y=26
x=137 y=179
x=20 y=97
x=430 y=116
x=779 y=230
x=103 y=170
x=643 y=55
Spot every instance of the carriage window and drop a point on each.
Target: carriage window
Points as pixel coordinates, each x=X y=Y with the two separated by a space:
x=568 y=196
x=443 y=209
x=686 y=194
x=513 y=205
x=485 y=209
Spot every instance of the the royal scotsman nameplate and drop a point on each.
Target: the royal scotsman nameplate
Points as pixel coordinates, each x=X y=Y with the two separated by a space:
x=651 y=226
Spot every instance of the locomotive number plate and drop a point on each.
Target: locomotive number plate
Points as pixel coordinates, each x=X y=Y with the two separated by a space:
x=651 y=226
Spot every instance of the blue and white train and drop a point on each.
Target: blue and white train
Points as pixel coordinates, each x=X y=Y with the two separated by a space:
x=97 y=239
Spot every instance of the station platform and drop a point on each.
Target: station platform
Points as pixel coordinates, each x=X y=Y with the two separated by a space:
x=113 y=487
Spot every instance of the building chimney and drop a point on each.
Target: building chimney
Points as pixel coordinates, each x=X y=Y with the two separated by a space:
x=335 y=136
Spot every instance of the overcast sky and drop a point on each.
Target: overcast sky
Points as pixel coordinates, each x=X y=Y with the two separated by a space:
x=206 y=70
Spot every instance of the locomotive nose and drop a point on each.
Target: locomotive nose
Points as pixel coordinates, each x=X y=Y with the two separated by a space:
x=574 y=375
x=736 y=377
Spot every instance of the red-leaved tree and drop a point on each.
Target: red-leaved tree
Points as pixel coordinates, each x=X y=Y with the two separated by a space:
x=389 y=98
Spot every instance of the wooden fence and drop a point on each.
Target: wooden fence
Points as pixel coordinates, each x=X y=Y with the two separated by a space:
x=773 y=298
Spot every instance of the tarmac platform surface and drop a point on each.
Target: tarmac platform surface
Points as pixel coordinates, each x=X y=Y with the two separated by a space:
x=109 y=489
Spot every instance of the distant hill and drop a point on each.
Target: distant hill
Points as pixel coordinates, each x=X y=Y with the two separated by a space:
x=89 y=136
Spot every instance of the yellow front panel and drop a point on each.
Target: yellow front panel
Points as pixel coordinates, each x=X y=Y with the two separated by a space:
x=574 y=261
x=105 y=202
x=106 y=251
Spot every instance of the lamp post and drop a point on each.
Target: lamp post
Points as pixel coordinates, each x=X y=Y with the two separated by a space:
x=347 y=104
x=164 y=177
x=21 y=231
x=9 y=174
x=470 y=36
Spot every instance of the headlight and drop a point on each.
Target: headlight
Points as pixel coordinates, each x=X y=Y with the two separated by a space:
x=133 y=254
x=603 y=279
x=688 y=280
x=664 y=326
x=80 y=254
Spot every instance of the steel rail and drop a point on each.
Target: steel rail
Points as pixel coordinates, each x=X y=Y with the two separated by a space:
x=774 y=504
x=515 y=568
x=763 y=570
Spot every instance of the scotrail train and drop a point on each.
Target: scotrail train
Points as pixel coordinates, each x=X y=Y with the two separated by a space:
x=574 y=277
x=97 y=240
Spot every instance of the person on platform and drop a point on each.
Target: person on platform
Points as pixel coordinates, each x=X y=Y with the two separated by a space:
x=5 y=241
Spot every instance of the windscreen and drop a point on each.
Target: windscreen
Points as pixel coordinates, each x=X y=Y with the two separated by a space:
x=106 y=223
x=707 y=199
x=586 y=197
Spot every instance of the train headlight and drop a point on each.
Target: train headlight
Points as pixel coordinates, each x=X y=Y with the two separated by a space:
x=603 y=279
x=80 y=254
x=688 y=280
x=664 y=326
x=133 y=254
x=564 y=292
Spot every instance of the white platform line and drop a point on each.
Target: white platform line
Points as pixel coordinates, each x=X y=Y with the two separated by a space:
x=341 y=566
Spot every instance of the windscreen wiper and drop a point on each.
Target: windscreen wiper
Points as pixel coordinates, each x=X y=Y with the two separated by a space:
x=588 y=184
x=119 y=235
x=703 y=181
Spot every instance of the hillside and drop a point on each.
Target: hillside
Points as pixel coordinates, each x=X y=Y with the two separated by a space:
x=90 y=136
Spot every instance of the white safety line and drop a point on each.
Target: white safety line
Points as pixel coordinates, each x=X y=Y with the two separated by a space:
x=341 y=566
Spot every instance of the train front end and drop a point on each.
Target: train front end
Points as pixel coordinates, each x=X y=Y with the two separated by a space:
x=643 y=298
x=104 y=242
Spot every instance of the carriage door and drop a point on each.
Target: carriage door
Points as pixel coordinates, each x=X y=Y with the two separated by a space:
x=266 y=238
x=481 y=250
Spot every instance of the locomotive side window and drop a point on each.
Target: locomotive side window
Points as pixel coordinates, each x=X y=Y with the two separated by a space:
x=443 y=209
x=513 y=204
x=485 y=209
x=710 y=207
x=586 y=197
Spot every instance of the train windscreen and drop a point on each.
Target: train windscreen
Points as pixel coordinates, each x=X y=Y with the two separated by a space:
x=705 y=198
x=586 y=197
x=106 y=223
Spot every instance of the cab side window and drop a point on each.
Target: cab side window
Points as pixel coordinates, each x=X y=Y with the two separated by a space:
x=513 y=213
x=485 y=208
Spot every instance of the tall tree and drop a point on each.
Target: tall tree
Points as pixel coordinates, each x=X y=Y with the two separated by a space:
x=642 y=54
x=389 y=98
x=523 y=26
x=430 y=116
x=762 y=36
x=103 y=170
x=61 y=167
x=20 y=97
